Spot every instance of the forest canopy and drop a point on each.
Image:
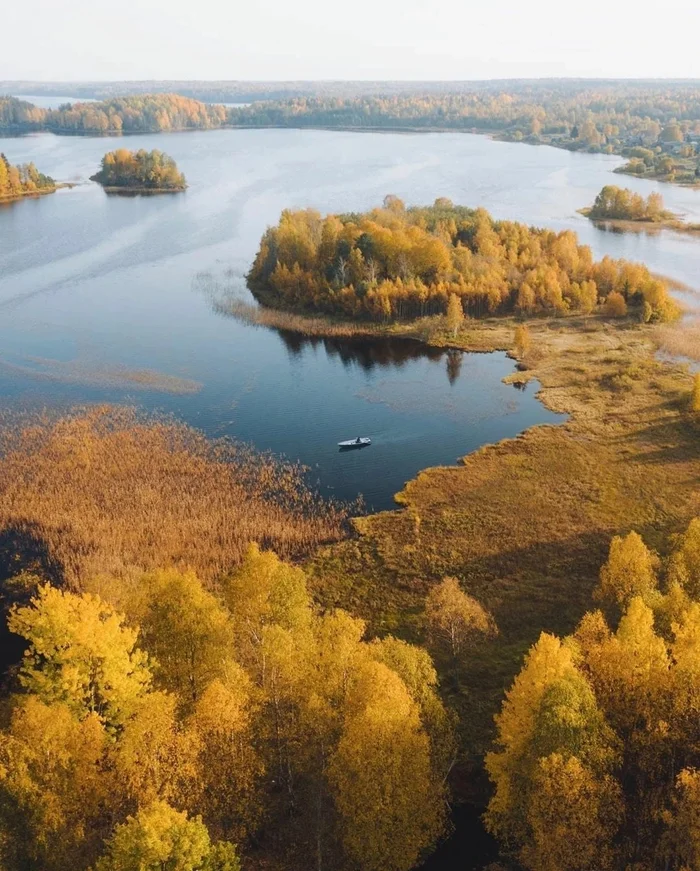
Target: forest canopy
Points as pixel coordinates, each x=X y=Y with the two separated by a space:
x=402 y=263
x=19 y=181
x=596 y=760
x=616 y=203
x=140 y=170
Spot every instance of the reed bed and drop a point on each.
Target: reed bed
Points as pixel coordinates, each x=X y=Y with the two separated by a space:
x=107 y=491
x=680 y=340
x=283 y=320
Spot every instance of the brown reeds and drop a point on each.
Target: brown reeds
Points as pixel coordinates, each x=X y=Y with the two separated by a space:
x=680 y=340
x=106 y=491
x=283 y=320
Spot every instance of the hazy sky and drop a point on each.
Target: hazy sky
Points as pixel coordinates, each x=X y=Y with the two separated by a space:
x=359 y=39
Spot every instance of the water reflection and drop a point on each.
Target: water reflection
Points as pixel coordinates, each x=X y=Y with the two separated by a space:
x=367 y=353
x=454 y=364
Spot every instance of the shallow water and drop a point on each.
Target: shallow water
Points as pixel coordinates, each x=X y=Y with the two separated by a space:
x=109 y=298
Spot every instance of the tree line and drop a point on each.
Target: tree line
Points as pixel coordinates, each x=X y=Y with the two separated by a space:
x=401 y=263
x=662 y=120
x=18 y=181
x=147 y=113
x=140 y=169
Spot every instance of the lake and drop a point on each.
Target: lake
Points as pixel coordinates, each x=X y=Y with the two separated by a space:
x=110 y=298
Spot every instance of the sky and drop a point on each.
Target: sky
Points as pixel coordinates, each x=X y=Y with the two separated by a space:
x=362 y=39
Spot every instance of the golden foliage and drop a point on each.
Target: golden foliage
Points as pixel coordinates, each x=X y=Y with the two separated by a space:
x=455 y=618
x=629 y=571
x=397 y=263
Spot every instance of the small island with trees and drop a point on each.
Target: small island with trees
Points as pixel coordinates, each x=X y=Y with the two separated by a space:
x=145 y=172
x=397 y=264
x=623 y=209
x=17 y=182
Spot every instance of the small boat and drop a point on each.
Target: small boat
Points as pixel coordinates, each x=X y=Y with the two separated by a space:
x=359 y=442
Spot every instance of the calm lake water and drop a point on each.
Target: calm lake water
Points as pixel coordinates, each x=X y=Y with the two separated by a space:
x=95 y=289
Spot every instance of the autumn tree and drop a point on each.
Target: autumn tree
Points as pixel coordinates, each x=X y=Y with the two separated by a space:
x=160 y=837
x=629 y=571
x=684 y=562
x=615 y=305
x=522 y=340
x=455 y=314
x=81 y=653
x=388 y=799
x=573 y=817
x=455 y=618
x=550 y=709
x=55 y=786
x=229 y=765
x=695 y=394
x=186 y=629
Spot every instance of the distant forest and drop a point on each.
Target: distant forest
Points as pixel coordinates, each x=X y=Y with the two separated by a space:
x=655 y=125
x=149 y=113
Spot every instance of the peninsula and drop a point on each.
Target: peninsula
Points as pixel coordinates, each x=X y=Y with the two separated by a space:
x=147 y=172
x=17 y=182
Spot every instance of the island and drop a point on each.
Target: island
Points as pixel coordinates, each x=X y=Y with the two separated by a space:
x=399 y=264
x=17 y=182
x=623 y=209
x=148 y=172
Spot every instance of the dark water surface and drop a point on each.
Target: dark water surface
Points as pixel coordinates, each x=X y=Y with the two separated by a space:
x=109 y=298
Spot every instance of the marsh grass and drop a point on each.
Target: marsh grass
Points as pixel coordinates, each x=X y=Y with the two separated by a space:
x=525 y=524
x=106 y=491
x=680 y=340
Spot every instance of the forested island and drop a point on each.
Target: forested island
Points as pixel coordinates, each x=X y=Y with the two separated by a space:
x=148 y=113
x=621 y=208
x=22 y=181
x=398 y=263
x=139 y=172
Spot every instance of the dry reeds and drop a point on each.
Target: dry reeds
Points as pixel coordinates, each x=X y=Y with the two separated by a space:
x=680 y=340
x=282 y=320
x=104 y=491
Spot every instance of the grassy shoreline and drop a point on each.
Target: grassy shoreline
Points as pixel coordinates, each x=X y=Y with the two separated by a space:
x=23 y=195
x=525 y=523
x=642 y=225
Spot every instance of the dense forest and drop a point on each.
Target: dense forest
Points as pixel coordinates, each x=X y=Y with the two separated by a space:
x=140 y=170
x=177 y=717
x=598 y=748
x=20 y=181
x=148 y=113
x=399 y=263
x=617 y=203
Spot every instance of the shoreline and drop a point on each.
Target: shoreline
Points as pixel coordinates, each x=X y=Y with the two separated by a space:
x=525 y=523
x=498 y=135
x=630 y=225
x=124 y=189
x=30 y=195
